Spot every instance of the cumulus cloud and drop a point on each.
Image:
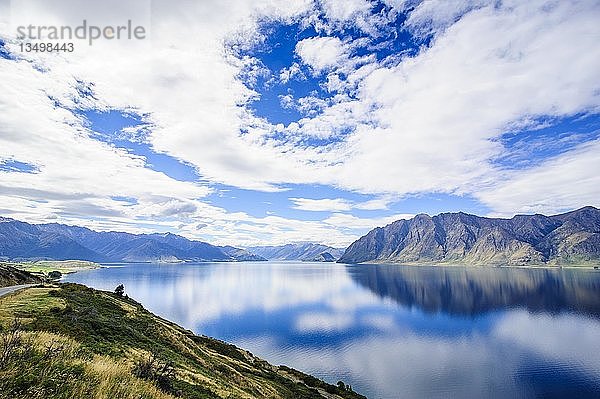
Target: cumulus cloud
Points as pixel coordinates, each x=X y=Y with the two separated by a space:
x=345 y=10
x=322 y=53
x=292 y=72
x=433 y=16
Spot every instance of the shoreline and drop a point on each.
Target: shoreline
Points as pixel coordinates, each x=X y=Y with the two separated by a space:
x=73 y=266
x=481 y=266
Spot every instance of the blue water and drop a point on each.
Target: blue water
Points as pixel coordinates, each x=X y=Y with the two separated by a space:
x=390 y=331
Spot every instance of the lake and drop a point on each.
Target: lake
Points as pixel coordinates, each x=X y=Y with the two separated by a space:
x=390 y=331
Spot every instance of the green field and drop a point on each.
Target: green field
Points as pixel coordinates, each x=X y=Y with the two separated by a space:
x=47 y=266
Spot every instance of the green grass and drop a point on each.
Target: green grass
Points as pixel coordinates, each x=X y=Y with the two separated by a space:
x=28 y=304
x=63 y=266
x=112 y=338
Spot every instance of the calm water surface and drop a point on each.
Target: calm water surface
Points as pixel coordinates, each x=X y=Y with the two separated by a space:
x=391 y=331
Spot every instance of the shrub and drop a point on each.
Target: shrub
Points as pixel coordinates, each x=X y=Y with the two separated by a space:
x=153 y=369
x=55 y=275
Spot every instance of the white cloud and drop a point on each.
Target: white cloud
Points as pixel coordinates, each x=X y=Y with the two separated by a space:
x=569 y=181
x=344 y=220
x=338 y=204
x=325 y=204
x=72 y=165
x=345 y=10
x=432 y=16
x=286 y=101
x=322 y=53
x=440 y=112
x=292 y=72
x=374 y=204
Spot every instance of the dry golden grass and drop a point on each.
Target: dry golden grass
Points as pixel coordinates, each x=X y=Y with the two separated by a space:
x=103 y=378
x=115 y=381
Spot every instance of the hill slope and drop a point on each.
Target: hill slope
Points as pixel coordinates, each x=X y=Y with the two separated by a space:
x=77 y=342
x=20 y=240
x=12 y=276
x=569 y=238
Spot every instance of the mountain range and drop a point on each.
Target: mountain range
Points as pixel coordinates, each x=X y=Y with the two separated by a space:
x=22 y=241
x=568 y=238
x=448 y=238
x=308 y=252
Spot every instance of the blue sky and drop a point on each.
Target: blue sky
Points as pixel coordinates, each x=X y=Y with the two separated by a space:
x=272 y=122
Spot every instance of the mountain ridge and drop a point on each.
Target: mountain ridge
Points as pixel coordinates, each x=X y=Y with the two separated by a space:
x=21 y=241
x=568 y=238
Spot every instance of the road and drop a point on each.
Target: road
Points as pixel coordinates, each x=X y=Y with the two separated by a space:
x=13 y=288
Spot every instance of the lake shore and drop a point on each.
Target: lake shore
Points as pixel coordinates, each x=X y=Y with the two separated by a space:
x=479 y=266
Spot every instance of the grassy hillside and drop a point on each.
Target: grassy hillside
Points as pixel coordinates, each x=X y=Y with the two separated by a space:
x=10 y=275
x=71 y=341
x=47 y=266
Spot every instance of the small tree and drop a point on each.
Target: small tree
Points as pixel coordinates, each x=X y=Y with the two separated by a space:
x=120 y=290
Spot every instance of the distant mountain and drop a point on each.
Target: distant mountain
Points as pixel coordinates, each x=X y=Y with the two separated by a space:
x=241 y=254
x=299 y=251
x=323 y=257
x=569 y=238
x=20 y=240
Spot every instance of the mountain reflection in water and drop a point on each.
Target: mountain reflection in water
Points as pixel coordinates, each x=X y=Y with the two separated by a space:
x=471 y=291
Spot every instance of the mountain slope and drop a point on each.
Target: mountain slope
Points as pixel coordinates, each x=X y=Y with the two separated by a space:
x=299 y=251
x=23 y=240
x=20 y=240
x=569 y=238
